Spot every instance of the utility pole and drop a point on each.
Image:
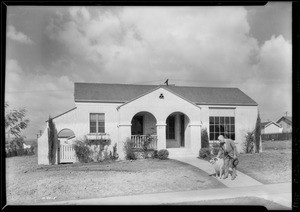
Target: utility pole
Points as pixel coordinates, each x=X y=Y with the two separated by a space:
x=286 y=113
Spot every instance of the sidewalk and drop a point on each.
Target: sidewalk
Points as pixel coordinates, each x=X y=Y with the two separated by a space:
x=279 y=193
x=242 y=180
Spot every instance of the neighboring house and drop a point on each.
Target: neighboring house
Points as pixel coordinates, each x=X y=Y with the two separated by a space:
x=286 y=123
x=174 y=115
x=270 y=127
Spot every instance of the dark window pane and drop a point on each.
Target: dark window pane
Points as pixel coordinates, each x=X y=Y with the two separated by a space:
x=101 y=116
x=231 y=128
x=211 y=120
x=226 y=135
x=226 y=120
x=211 y=136
x=217 y=120
x=233 y=136
x=222 y=129
x=101 y=130
x=217 y=128
x=222 y=121
x=211 y=128
x=93 y=130
x=101 y=124
x=231 y=120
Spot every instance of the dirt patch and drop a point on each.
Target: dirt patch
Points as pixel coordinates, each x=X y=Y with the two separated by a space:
x=28 y=183
x=270 y=205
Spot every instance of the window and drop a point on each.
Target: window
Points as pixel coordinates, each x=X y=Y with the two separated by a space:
x=221 y=125
x=170 y=127
x=97 y=123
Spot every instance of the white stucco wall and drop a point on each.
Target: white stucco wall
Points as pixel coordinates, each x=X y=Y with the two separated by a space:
x=245 y=119
x=161 y=109
x=272 y=128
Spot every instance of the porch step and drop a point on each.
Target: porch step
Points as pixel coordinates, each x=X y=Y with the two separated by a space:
x=180 y=152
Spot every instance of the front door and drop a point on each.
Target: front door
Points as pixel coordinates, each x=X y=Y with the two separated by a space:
x=181 y=130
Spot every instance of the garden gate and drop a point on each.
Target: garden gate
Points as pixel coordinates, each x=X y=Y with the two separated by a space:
x=67 y=154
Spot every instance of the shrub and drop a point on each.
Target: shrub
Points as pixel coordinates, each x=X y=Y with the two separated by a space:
x=204 y=152
x=114 y=155
x=257 y=134
x=204 y=138
x=249 y=143
x=82 y=151
x=163 y=154
x=52 y=142
x=129 y=150
x=155 y=154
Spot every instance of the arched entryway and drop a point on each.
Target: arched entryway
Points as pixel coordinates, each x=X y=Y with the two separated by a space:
x=65 y=134
x=177 y=133
x=66 y=153
x=143 y=124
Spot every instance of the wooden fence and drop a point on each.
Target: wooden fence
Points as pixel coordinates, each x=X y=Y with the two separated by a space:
x=276 y=136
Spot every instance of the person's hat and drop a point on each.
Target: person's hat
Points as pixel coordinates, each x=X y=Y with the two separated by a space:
x=221 y=138
x=235 y=162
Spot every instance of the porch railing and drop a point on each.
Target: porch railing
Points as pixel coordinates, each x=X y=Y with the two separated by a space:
x=139 y=140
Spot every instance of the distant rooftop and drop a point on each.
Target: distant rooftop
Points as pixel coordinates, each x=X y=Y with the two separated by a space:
x=104 y=92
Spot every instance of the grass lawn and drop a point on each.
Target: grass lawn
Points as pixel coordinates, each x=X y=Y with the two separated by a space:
x=273 y=165
x=270 y=205
x=28 y=183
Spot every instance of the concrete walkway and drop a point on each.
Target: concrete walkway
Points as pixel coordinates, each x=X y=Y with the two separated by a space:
x=242 y=180
x=279 y=193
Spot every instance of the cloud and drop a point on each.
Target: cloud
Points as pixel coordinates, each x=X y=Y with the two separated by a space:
x=41 y=95
x=18 y=36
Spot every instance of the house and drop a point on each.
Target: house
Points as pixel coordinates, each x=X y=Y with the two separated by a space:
x=270 y=127
x=173 y=115
x=286 y=123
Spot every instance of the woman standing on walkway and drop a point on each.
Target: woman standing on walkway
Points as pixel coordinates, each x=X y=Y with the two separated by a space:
x=228 y=148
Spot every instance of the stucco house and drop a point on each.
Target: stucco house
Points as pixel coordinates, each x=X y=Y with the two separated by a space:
x=174 y=115
x=286 y=123
x=270 y=127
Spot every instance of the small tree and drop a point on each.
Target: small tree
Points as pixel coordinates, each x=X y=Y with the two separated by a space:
x=204 y=138
x=52 y=141
x=15 y=121
x=257 y=134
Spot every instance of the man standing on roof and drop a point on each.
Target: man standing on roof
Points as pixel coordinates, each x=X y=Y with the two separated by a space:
x=228 y=148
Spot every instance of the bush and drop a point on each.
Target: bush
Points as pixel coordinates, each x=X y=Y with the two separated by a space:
x=249 y=143
x=163 y=154
x=204 y=138
x=155 y=154
x=129 y=150
x=204 y=152
x=82 y=151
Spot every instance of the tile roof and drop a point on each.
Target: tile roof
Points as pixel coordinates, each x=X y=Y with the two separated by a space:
x=103 y=92
x=288 y=119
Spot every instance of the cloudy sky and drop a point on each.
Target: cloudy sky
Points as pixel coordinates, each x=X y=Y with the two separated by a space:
x=50 y=48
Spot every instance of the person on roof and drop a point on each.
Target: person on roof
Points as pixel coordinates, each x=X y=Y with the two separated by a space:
x=228 y=148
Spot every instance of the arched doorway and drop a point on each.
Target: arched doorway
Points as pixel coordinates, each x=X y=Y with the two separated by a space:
x=143 y=124
x=177 y=133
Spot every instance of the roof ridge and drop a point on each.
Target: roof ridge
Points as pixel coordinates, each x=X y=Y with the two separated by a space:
x=95 y=83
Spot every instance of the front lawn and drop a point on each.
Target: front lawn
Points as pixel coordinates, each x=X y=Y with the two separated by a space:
x=273 y=165
x=28 y=183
